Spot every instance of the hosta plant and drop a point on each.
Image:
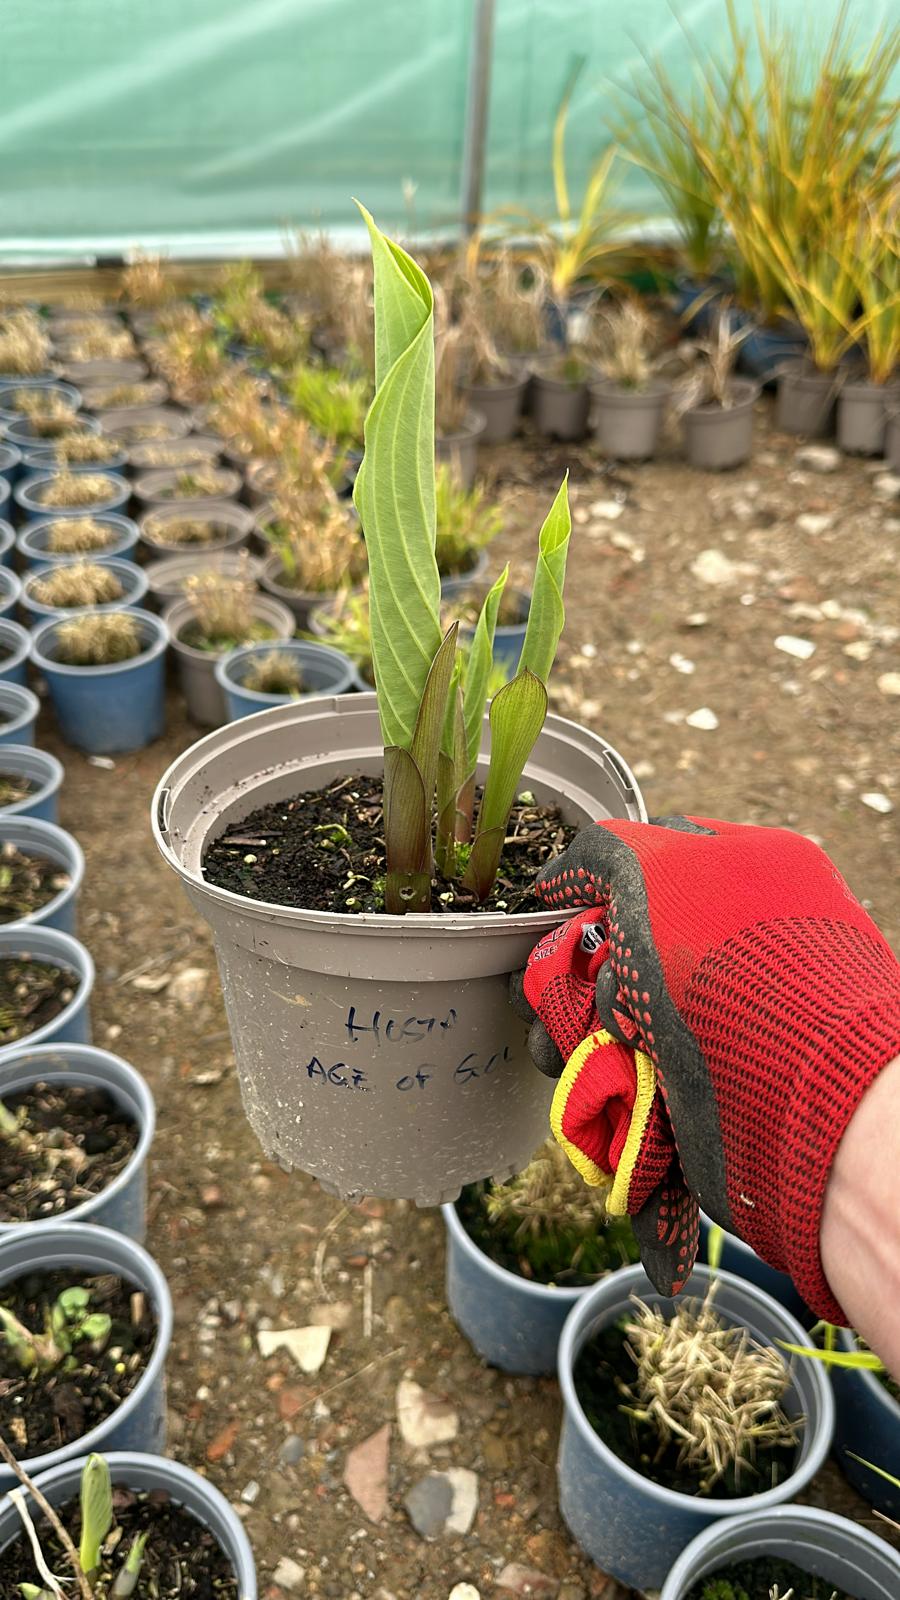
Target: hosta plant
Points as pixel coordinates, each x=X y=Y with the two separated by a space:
x=101 y=1562
x=431 y=703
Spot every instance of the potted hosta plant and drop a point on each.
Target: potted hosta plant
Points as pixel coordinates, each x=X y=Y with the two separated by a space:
x=217 y=613
x=630 y=399
x=680 y=1413
x=82 y=585
x=105 y=672
x=76 y=1126
x=85 y=1325
x=46 y=540
x=466 y=521
x=368 y=998
x=46 y=978
x=41 y=873
x=717 y=408
x=256 y=676
x=787 y=1551
x=126 y=1524
x=520 y=1252
x=30 y=781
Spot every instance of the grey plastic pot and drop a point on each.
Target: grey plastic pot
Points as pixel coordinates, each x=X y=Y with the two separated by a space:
x=152 y=490
x=73 y=1024
x=299 y=602
x=122 y=1204
x=191 y=451
x=63 y=391
x=461 y=449
x=51 y=843
x=322 y=671
x=88 y=373
x=34 y=539
x=10 y=591
x=607 y=1505
x=232 y=524
x=43 y=771
x=862 y=417
x=510 y=1322
x=132 y=578
x=892 y=442
x=378 y=1053
x=15 y=641
x=146 y=392
x=807 y=401
x=27 y=495
x=718 y=438
x=197 y=668
x=146 y=422
x=628 y=422
x=868 y=1424
x=847 y=1555
x=560 y=410
x=139 y=1423
x=501 y=406
x=142 y=1473
x=166 y=579
x=19 y=709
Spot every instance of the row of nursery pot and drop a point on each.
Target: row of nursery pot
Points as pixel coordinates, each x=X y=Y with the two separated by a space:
x=523 y=1259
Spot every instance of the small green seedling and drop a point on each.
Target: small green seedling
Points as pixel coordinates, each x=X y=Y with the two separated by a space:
x=69 y=1322
x=97 y=1522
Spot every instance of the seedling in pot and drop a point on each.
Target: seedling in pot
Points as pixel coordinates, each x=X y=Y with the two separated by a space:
x=97 y=640
x=32 y=993
x=78 y=535
x=103 y=342
x=24 y=346
x=504 y=303
x=49 y=414
x=196 y=483
x=188 y=531
x=222 y=611
x=241 y=416
x=60 y=1144
x=709 y=384
x=319 y=547
x=81 y=449
x=68 y=1322
x=546 y=1225
x=145 y=283
x=466 y=521
x=690 y=1400
x=333 y=404
x=27 y=882
x=625 y=341
x=14 y=789
x=190 y=358
x=75 y=489
x=274 y=673
x=84 y=583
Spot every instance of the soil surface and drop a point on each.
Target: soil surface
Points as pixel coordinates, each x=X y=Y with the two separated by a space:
x=71 y=1143
x=27 y=882
x=181 y=1559
x=648 y=643
x=325 y=849
x=32 y=993
x=756 y=1579
x=44 y=1410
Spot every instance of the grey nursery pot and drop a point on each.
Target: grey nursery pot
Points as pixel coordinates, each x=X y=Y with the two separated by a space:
x=718 y=438
x=500 y=404
x=862 y=417
x=807 y=401
x=197 y=668
x=378 y=1053
x=461 y=449
x=560 y=409
x=628 y=422
x=846 y=1555
x=607 y=1505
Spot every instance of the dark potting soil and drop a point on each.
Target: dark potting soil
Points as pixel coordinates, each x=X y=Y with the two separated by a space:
x=27 y=882
x=14 y=788
x=182 y=1559
x=755 y=1579
x=70 y=1144
x=32 y=993
x=567 y=1259
x=602 y=1374
x=44 y=1410
x=323 y=850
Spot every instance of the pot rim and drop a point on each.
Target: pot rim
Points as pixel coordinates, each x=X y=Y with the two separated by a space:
x=156 y=646
x=83 y=1058
x=120 y=527
x=21 y=642
x=493 y=1269
x=682 y=1570
x=635 y=1279
x=40 y=839
x=147 y=484
x=377 y=924
x=509 y=384
x=300 y=647
x=746 y=390
x=53 y=774
x=24 y=497
x=76 y=1236
x=473 y=427
x=133 y=580
x=27 y=701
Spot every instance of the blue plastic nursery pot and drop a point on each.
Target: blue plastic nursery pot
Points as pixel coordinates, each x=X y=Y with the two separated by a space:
x=323 y=670
x=463 y=581
x=10 y=464
x=122 y=1204
x=695 y=303
x=143 y=1474
x=46 y=776
x=631 y=1527
x=737 y=1257
x=139 y=1423
x=7 y=543
x=510 y=1322
x=27 y=497
x=766 y=348
x=113 y=709
x=33 y=539
x=51 y=843
x=73 y=1024
x=5 y=493
x=132 y=578
x=868 y=1424
x=18 y=714
x=15 y=648
x=10 y=591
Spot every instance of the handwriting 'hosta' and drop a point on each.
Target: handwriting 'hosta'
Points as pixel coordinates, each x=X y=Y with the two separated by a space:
x=431 y=698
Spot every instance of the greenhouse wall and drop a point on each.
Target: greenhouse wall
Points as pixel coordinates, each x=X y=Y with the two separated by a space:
x=219 y=125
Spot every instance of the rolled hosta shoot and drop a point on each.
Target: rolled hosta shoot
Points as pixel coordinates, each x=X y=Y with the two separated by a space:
x=431 y=700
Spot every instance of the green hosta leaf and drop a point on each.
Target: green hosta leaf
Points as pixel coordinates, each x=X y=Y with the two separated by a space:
x=73 y=1300
x=547 y=613
x=478 y=670
x=517 y=717
x=715 y=1239
x=97 y=1327
x=407 y=833
x=862 y=1360
x=394 y=491
x=96 y=1511
x=127 y=1580
x=430 y=723
x=454 y=825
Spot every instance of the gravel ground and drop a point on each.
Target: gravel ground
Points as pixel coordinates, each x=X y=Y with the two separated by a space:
x=736 y=639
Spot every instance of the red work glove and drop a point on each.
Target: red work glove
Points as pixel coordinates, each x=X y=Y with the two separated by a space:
x=762 y=1002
